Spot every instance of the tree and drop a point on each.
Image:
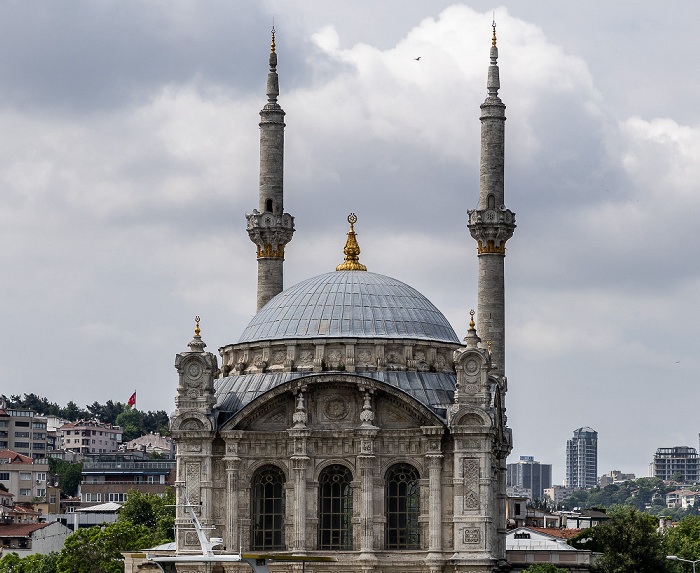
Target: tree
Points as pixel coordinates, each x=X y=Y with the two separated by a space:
x=543 y=568
x=69 y=475
x=629 y=542
x=152 y=511
x=132 y=422
x=97 y=549
x=36 y=563
x=683 y=540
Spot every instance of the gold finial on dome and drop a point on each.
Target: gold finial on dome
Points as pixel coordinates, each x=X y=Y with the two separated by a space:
x=351 y=250
x=272 y=46
x=196 y=330
x=472 y=324
x=493 y=25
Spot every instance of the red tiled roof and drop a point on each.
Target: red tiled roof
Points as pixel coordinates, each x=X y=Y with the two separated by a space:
x=15 y=458
x=20 y=529
x=556 y=532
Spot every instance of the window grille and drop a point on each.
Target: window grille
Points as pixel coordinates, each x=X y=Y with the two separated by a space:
x=402 y=506
x=335 y=508
x=267 y=509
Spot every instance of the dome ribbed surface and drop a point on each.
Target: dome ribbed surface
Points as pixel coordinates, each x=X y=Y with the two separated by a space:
x=356 y=304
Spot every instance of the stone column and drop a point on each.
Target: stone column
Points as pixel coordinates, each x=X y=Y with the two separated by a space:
x=435 y=502
x=366 y=465
x=299 y=465
x=232 y=538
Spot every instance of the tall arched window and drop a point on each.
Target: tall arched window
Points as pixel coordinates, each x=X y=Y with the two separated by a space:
x=267 y=509
x=402 y=507
x=335 y=508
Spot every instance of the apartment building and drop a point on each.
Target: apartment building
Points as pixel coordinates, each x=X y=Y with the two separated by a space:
x=23 y=476
x=110 y=477
x=23 y=431
x=89 y=437
x=682 y=462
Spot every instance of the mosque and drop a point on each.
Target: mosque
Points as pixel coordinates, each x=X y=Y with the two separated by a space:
x=349 y=420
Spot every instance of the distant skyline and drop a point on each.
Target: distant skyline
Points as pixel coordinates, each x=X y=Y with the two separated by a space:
x=129 y=156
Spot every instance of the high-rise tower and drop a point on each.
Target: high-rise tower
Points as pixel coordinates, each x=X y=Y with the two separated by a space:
x=582 y=459
x=491 y=224
x=269 y=227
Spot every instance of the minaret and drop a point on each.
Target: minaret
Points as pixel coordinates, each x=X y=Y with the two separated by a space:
x=269 y=227
x=491 y=224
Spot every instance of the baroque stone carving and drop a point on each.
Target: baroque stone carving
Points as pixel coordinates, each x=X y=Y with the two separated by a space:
x=471 y=483
x=472 y=535
x=194 y=370
x=364 y=356
x=335 y=408
x=306 y=356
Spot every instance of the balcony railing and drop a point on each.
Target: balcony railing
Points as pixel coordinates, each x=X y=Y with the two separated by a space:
x=154 y=465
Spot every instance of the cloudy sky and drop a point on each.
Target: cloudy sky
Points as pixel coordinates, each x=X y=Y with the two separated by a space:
x=129 y=155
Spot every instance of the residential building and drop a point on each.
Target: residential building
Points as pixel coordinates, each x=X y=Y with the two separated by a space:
x=681 y=498
x=30 y=538
x=584 y=519
x=527 y=473
x=152 y=443
x=614 y=477
x=558 y=493
x=23 y=476
x=110 y=477
x=582 y=459
x=528 y=546
x=22 y=431
x=89 y=437
x=680 y=464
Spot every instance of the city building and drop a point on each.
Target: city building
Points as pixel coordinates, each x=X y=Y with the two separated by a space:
x=349 y=419
x=23 y=476
x=110 y=477
x=89 y=437
x=582 y=459
x=614 y=477
x=528 y=546
x=152 y=443
x=558 y=493
x=529 y=474
x=679 y=464
x=22 y=431
x=30 y=538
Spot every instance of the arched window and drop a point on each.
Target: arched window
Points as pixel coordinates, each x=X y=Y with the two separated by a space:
x=267 y=509
x=492 y=202
x=268 y=205
x=402 y=507
x=335 y=508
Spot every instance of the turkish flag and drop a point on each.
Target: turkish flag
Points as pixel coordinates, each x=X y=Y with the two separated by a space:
x=132 y=400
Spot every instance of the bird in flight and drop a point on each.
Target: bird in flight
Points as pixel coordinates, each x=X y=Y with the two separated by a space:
x=417 y=59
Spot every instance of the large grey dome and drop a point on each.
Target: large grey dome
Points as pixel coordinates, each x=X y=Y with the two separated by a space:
x=356 y=304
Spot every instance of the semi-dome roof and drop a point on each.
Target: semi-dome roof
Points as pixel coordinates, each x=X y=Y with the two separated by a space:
x=356 y=304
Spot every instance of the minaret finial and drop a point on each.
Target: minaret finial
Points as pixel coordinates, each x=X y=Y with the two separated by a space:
x=351 y=250
x=272 y=46
x=196 y=329
x=472 y=324
x=493 y=25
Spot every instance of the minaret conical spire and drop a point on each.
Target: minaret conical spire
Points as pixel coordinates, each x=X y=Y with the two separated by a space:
x=269 y=227
x=491 y=224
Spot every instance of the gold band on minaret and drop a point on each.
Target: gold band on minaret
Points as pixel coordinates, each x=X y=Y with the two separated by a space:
x=351 y=250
